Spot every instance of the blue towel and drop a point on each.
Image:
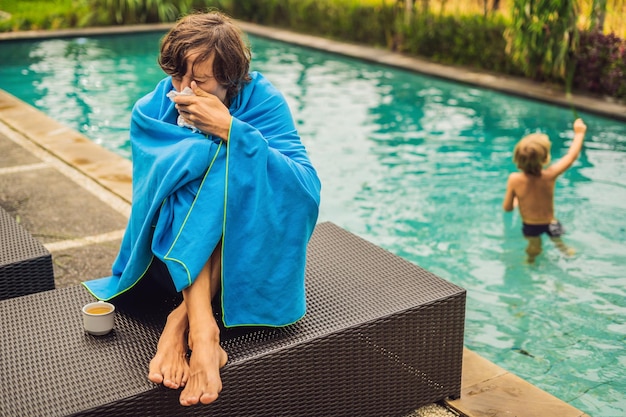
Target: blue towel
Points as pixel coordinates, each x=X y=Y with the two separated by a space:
x=258 y=192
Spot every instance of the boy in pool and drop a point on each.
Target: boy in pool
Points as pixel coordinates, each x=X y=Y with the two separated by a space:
x=532 y=189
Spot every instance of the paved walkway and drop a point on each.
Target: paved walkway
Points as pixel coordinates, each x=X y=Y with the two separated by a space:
x=74 y=196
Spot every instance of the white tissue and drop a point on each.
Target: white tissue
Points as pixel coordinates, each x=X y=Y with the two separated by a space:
x=186 y=92
x=180 y=121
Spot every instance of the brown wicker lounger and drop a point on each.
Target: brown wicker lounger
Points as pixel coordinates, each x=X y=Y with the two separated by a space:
x=25 y=264
x=382 y=337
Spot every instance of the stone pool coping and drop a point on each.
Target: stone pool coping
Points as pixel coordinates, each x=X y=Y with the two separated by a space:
x=486 y=388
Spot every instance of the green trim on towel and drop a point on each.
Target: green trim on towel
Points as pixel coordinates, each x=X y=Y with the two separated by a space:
x=191 y=279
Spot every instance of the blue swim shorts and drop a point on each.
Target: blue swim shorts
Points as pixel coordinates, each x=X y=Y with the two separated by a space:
x=553 y=229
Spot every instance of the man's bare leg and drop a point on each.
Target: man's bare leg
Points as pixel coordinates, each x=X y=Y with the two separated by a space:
x=169 y=366
x=204 y=383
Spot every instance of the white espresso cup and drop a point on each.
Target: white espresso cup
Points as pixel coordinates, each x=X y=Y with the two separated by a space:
x=98 y=317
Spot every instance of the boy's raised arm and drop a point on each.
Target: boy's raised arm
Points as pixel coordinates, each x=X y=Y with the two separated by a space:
x=568 y=159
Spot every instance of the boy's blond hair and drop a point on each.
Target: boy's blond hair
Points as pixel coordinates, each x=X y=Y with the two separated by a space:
x=532 y=153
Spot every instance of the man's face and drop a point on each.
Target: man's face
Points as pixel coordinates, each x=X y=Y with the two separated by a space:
x=202 y=73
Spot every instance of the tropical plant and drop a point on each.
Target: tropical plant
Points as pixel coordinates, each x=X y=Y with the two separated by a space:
x=542 y=37
x=601 y=64
x=139 y=11
x=598 y=14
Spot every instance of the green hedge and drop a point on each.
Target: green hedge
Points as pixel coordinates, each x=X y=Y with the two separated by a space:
x=475 y=41
x=601 y=65
x=40 y=14
x=469 y=40
x=345 y=20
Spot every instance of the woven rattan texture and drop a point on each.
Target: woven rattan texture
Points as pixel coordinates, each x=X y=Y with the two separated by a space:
x=381 y=338
x=25 y=264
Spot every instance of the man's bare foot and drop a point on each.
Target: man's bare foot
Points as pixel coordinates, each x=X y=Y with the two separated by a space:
x=204 y=384
x=169 y=365
x=207 y=356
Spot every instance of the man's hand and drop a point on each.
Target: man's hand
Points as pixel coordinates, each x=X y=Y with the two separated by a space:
x=205 y=111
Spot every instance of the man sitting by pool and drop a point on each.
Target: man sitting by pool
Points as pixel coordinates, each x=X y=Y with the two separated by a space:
x=225 y=200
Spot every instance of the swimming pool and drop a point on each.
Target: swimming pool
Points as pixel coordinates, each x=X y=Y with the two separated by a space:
x=418 y=166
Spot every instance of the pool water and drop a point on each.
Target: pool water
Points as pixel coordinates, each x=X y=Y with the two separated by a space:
x=418 y=166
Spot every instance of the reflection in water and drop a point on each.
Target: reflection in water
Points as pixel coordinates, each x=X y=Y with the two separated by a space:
x=88 y=83
x=418 y=166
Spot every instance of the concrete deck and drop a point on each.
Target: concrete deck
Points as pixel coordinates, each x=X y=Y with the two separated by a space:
x=75 y=197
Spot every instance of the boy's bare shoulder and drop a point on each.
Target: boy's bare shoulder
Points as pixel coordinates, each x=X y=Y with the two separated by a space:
x=516 y=177
x=551 y=172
